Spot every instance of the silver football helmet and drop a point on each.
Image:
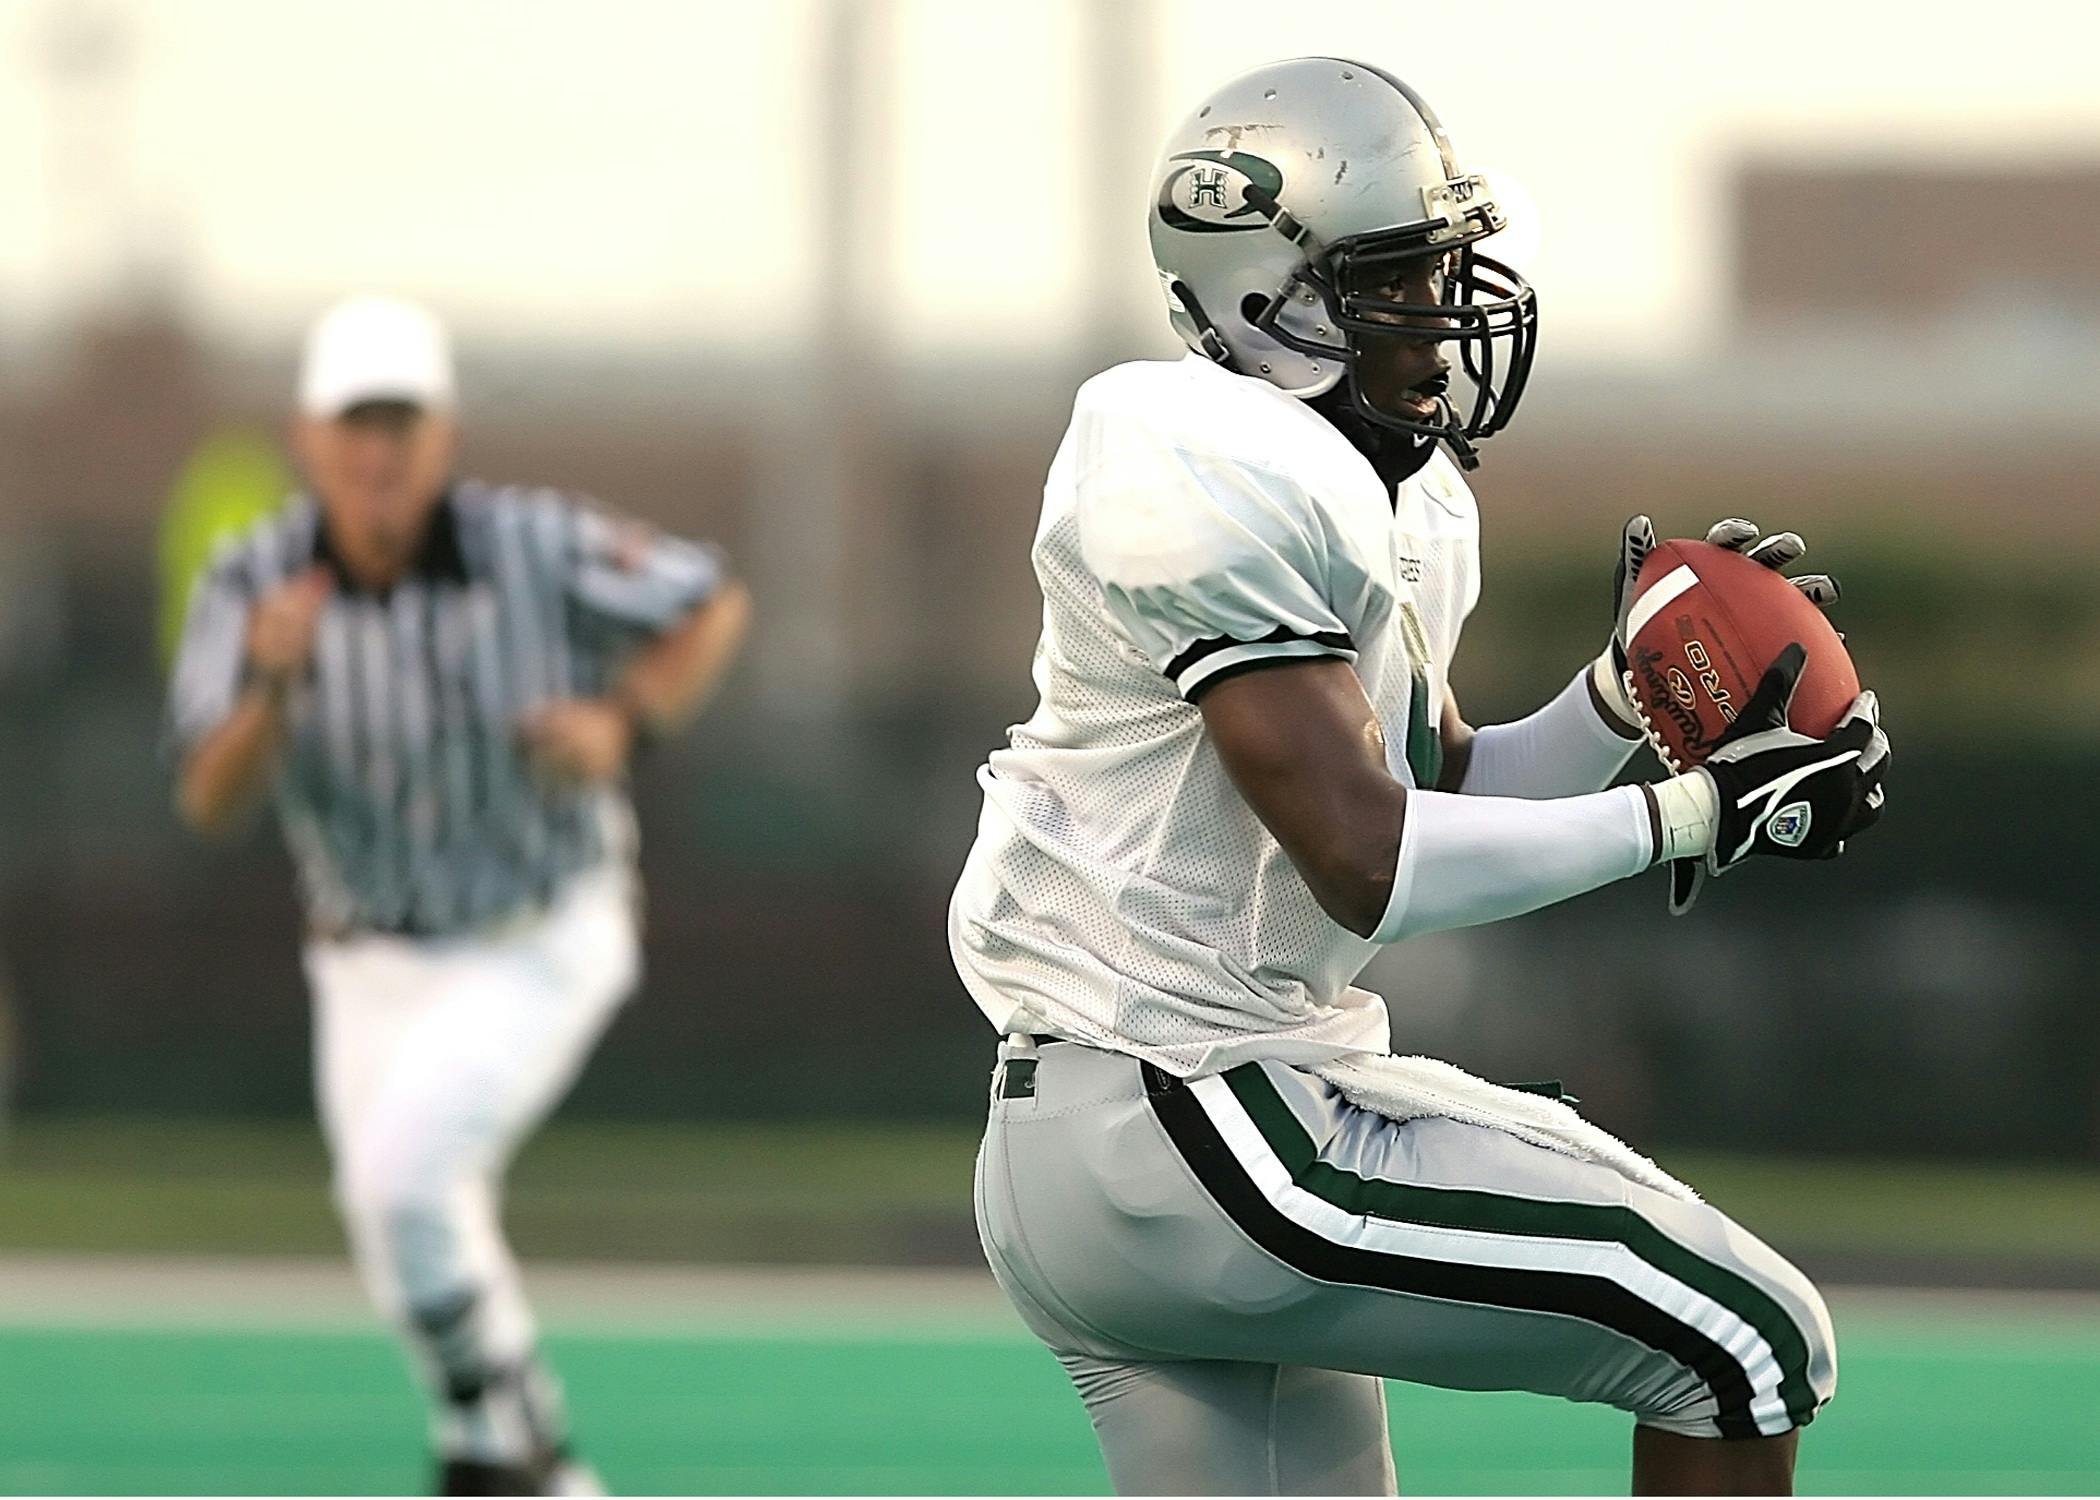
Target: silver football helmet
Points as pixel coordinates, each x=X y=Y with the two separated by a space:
x=1282 y=211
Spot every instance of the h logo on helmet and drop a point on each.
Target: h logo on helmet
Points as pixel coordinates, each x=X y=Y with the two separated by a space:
x=1219 y=192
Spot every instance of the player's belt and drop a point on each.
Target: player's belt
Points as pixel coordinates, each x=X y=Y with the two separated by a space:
x=1017 y=1064
x=1017 y=1079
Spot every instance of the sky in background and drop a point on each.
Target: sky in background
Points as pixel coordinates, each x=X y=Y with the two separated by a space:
x=645 y=172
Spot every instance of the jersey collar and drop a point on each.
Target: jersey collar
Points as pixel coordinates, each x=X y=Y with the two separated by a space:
x=440 y=559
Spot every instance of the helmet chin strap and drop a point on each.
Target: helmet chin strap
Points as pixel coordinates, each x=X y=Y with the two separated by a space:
x=1461 y=446
x=1213 y=342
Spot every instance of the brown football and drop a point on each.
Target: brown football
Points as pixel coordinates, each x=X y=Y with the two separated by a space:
x=1705 y=624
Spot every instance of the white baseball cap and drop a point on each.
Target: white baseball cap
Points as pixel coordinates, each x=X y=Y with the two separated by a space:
x=373 y=348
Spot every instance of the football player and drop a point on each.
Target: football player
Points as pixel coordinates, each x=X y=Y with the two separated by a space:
x=1207 y=1184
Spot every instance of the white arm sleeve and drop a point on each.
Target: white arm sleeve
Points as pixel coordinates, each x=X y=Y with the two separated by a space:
x=1467 y=860
x=1564 y=749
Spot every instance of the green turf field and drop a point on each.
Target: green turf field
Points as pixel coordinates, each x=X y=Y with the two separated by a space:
x=1937 y=1397
x=137 y=1356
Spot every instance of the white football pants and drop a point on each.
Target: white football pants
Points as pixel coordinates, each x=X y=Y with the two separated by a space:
x=434 y=1059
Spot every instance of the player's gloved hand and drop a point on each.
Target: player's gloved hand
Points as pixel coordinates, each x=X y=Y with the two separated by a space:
x=1773 y=790
x=1778 y=551
x=1608 y=689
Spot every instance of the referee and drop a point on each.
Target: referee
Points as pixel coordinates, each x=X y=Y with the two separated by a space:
x=440 y=681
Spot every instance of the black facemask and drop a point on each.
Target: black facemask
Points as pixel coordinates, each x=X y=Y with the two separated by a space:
x=1485 y=306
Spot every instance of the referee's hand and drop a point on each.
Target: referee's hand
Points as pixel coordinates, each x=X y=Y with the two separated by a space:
x=575 y=740
x=281 y=626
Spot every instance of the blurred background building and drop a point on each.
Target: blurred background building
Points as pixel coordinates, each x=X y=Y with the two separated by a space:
x=816 y=279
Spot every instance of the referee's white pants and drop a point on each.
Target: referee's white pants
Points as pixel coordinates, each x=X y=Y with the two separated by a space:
x=434 y=1059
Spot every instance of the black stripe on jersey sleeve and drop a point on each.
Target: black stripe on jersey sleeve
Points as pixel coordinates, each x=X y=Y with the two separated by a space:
x=1334 y=640
x=1194 y=691
x=1217 y=656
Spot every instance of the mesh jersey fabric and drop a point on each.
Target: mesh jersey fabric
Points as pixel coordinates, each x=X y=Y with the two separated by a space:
x=1120 y=891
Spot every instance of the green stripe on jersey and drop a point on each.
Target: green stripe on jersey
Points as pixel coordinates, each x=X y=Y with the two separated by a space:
x=1425 y=726
x=1491 y=1213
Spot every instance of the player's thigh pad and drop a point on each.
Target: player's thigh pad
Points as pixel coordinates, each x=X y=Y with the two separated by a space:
x=1219 y=1427
x=1259 y=1216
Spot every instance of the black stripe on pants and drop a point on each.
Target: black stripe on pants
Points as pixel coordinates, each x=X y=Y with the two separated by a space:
x=1568 y=1293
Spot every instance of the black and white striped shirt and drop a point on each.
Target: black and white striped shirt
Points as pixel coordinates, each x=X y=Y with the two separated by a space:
x=405 y=795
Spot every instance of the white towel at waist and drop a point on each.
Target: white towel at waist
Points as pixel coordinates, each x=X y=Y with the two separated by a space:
x=1410 y=1088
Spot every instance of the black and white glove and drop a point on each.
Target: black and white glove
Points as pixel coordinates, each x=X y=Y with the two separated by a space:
x=1772 y=790
x=1778 y=551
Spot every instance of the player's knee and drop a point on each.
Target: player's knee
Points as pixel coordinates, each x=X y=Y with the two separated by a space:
x=1819 y=1337
x=1767 y=1365
x=1796 y=1323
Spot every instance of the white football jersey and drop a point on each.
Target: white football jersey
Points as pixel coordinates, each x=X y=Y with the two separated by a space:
x=1121 y=892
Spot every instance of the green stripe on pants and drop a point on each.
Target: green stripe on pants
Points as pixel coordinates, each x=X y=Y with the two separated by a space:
x=1490 y=1213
